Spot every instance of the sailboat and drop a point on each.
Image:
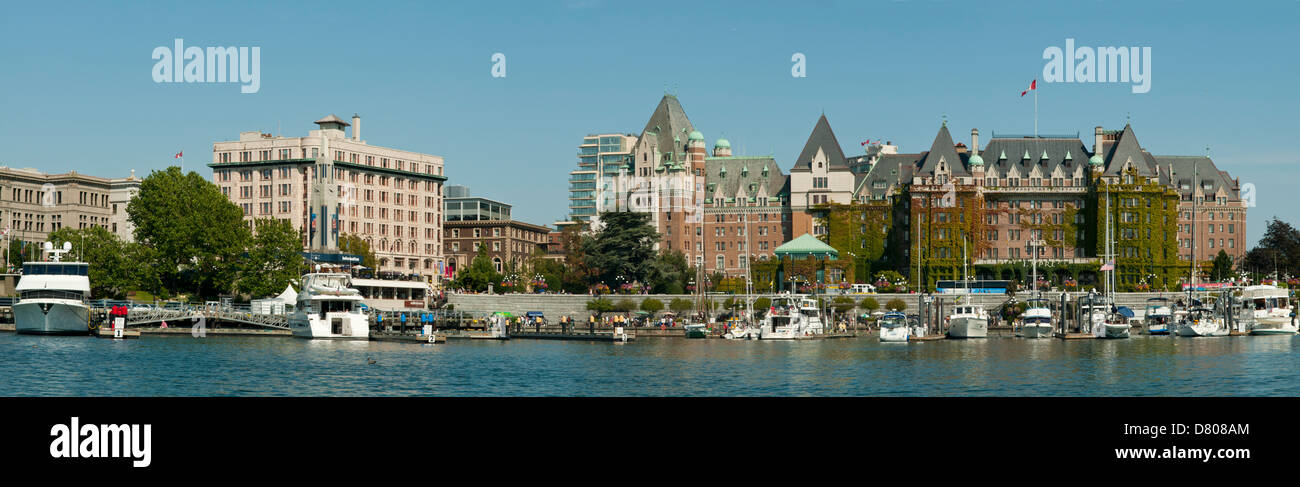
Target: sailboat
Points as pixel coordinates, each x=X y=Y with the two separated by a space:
x=746 y=329
x=1113 y=324
x=967 y=320
x=1199 y=321
x=1036 y=322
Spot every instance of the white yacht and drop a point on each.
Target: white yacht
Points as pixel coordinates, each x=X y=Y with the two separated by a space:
x=1201 y=322
x=52 y=296
x=791 y=318
x=1158 y=316
x=1115 y=325
x=1036 y=322
x=894 y=327
x=1268 y=310
x=968 y=321
x=328 y=307
x=1094 y=309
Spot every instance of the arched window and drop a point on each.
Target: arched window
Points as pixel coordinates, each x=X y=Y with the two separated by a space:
x=496 y=262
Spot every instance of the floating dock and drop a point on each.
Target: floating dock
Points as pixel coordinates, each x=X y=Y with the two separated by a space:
x=1075 y=336
x=927 y=338
x=110 y=333
x=585 y=337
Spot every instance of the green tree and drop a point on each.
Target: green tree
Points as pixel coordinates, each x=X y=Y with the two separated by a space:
x=196 y=233
x=652 y=305
x=1278 y=249
x=680 y=305
x=669 y=273
x=274 y=259
x=624 y=247
x=112 y=270
x=1222 y=267
x=624 y=305
x=870 y=304
x=480 y=275
x=352 y=244
x=896 y=304
x=842 y=304
x=600 y=306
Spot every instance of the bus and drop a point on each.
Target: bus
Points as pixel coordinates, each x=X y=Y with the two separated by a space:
x=972 y=287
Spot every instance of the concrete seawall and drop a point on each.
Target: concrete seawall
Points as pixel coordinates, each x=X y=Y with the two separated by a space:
x=575 y=305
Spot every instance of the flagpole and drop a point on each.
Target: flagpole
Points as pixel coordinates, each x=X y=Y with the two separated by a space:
x=1035 y=111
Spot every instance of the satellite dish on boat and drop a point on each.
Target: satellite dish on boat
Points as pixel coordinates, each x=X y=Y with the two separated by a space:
x=67 y=246
x=49 y=246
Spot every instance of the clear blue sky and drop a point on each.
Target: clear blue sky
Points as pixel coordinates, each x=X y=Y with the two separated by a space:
x=78 y=93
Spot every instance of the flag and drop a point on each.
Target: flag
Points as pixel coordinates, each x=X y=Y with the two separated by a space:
x=868 y=141
x=179 y=155
x=1108 y=266
x=1033 y=85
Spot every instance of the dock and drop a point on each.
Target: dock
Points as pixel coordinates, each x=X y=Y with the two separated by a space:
x=109 y=333
x=927 y=338
x=1075 y=336
x=399 y=337
x=585 y=337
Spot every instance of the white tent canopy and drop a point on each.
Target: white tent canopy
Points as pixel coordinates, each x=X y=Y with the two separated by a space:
x=278 y=305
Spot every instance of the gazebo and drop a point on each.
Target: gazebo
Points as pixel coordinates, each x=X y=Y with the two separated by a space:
x=804 y=246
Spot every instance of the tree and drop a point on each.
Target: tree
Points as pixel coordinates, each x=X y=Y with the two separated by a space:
x=896 y=305
x=842 y=304
x=1278 y=249
x=274 y=259
x=576 y=273
x=352 y=244
x=480 y=275
x=669 y=273
x=870 y=304
x=680 y=305
x=652 y=305
x=112 y=269
x=624 y=305
x=1222 y=267
x=600 y=306
x=624 y=247
x=195 y=232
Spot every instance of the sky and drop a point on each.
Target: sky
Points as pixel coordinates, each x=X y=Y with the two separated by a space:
x=77 y=89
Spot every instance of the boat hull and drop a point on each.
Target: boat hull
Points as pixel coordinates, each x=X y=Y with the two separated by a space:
x=42 y=317
x=899 y=334
x=968 y=328
x=1117 y=331
x=1200 y=331
x=338 y=326
x=1036 y=331
x=1283 y=330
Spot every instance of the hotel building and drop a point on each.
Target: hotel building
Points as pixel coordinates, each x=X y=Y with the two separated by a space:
x=33 y=204
x=327 y=184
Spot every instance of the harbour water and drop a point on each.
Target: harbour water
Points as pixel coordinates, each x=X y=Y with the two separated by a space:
x=284 y=366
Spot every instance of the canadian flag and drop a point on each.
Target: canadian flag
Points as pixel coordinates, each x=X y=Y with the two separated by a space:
x=1033 y=85
x=1108 y=266
x=179 y=155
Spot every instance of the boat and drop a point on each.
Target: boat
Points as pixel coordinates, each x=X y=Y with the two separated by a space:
x=1116 y=325
x=740 y=330
x=894 y=327
x=697 y=330
x=1036 y=322
x=52 y=296
x=1094 y=309
x=1158 y=316
x=1201 y=322
x=968 y=321
x=329 y=307
x=791 y=318
x=1267 y=310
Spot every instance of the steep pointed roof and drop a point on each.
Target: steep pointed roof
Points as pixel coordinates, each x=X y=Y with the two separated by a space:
x=668 y=121
x=942 y=150
x=1126 y=149
x=822 y=137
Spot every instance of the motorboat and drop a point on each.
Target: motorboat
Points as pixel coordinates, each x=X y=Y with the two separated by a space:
x=1268 y=310
x=968 y=321
x=1036 y=321
x=894 y=327
x=1158 y=316
x=329 y=307
x=791 y=318
x=52 y=296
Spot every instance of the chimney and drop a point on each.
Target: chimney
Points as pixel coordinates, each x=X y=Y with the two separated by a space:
x=975 y=141
x=1096 y=146
x=356 y=127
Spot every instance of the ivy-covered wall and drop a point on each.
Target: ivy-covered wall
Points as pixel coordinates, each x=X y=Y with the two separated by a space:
x=944 y=218
x=860 y=232
x=1144 y=221
x=789 y=274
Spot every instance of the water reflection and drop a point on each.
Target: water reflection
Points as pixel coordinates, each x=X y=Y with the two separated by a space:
x=999 y=366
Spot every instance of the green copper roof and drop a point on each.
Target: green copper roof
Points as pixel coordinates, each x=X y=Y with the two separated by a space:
x=722 y=144
x=696 y=135
x=1095 y=160
x=806 y=244
x=976 y=160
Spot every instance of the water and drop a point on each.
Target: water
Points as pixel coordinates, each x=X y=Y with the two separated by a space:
x=280 y=366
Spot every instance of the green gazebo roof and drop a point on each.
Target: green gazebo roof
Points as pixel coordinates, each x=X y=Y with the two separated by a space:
x=806 y=245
